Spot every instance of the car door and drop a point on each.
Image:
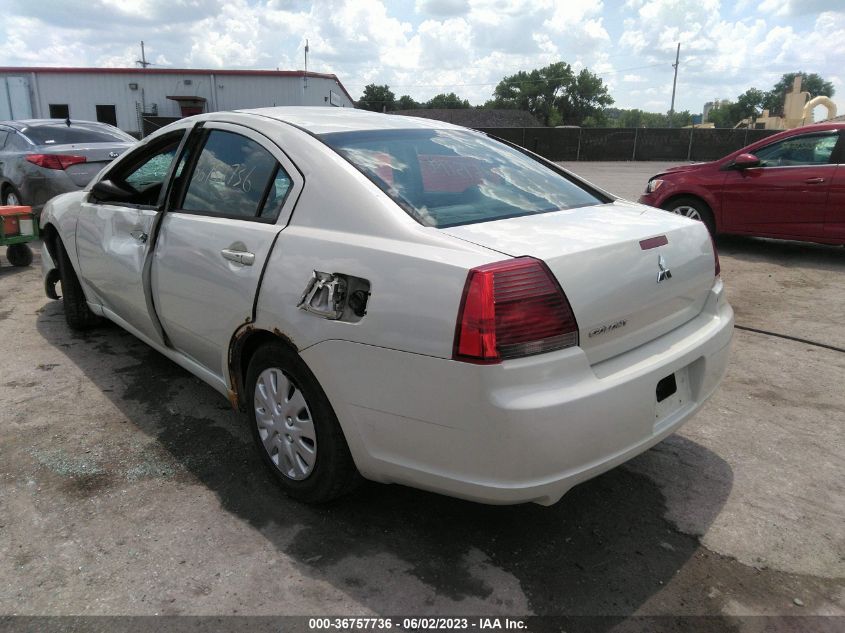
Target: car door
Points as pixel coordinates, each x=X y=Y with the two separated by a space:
x=788 y=193
x=112 y=234
x=216 y=236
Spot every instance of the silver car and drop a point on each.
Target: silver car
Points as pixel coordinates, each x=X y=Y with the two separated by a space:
x=41 y=158
x=400 y=299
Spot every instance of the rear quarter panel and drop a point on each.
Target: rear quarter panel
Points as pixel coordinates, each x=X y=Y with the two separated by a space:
x=343 y=223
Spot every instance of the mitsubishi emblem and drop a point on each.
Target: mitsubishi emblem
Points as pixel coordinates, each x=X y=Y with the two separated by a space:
x=664 y=272
x=113 y=154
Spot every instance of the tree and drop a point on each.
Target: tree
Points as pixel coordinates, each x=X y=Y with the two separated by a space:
x=449 y=101
x=639 y=118
x=749 y=104
x=554 y=94
x=377 y=98
x=405 y=102
x=810 y=82
x=586 y=96
x=535 y=91
x=723 y=116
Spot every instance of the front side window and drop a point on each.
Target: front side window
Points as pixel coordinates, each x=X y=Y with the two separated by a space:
x=814 y=149
x=232 y=177
x=450 y=177
x=144 y=172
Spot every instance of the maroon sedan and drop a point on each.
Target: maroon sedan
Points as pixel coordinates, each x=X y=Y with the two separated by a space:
x=789 y=186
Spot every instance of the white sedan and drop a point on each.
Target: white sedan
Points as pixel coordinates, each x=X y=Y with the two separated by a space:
x=399 y=299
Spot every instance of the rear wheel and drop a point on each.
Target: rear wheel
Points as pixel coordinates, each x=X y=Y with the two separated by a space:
x=77 y=313
x=694 y=209
x=11 y=197
x=295 y=428
x=19 y=254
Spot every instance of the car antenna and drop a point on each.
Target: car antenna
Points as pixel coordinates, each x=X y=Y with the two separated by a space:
x=67 y=121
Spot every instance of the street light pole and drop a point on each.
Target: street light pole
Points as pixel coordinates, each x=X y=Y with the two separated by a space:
x=674 y=83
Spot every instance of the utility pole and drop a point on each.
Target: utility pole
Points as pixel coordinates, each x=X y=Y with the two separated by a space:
x=143 y=61
x=674 y=83
x=306 y=63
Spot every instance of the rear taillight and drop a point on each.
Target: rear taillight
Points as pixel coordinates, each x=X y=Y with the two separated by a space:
x=55 y=161
x=512 y=309
x=716 y=256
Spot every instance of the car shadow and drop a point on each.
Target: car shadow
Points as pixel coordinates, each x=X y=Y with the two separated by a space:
x=605 y=549
x=782 y=252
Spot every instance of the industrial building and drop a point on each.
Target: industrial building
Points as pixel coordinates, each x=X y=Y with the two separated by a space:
x=135 y=99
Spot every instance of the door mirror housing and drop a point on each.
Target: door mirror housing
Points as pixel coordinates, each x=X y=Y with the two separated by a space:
x=106 y=190
x=744 y=161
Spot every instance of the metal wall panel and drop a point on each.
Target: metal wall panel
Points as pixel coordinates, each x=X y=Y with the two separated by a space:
x=82 y=92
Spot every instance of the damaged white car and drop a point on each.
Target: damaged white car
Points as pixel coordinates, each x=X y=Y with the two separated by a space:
x=399 y=299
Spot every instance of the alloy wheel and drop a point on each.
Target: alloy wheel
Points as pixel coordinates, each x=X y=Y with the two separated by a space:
x=687 y=211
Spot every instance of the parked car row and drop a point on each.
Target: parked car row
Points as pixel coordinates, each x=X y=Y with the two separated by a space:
x=414 y=302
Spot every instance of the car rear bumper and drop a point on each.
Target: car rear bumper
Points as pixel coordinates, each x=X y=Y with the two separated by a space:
x=524 y=430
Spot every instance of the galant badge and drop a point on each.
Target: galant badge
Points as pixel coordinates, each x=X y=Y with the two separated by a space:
x=664 y=272
x=114 y=154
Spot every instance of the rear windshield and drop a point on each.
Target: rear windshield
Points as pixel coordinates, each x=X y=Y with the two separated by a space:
x=450 y=177
x=61 y=134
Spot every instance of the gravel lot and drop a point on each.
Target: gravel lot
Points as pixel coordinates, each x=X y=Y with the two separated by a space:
x=129 y=487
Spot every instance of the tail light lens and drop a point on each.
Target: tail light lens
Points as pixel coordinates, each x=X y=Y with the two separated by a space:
x=55 y=161
x=512 y=309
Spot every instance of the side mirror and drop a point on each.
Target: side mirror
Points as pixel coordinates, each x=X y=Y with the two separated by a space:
x=744 y=161
x=108 y=190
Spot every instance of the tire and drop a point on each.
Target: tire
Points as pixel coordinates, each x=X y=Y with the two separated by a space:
x=77 y=313
x=694 y=209
x=293 y=424
x=11 y=197
x=19 y=254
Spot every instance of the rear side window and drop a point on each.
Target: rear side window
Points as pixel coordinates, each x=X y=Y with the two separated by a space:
x=450 y=177
x=61 y=134
x=236 y=177
x=16 y=143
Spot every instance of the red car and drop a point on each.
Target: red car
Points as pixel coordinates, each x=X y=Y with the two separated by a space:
x=790 y=186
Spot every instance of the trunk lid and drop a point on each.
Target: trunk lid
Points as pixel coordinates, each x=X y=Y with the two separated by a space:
x=609 y=278
x=97 y=155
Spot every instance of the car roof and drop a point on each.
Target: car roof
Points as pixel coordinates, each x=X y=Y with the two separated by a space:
x=324 y=120
x=25 y=123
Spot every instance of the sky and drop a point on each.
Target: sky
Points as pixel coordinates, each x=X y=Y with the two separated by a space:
x=425 y=47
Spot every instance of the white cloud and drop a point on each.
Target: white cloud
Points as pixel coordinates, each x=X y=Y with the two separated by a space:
x=442 y=8
x=465 y=46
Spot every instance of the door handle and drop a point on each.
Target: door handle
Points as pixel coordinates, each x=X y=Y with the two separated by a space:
x=239 y=257
x=139 y=235
x=814 y=181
